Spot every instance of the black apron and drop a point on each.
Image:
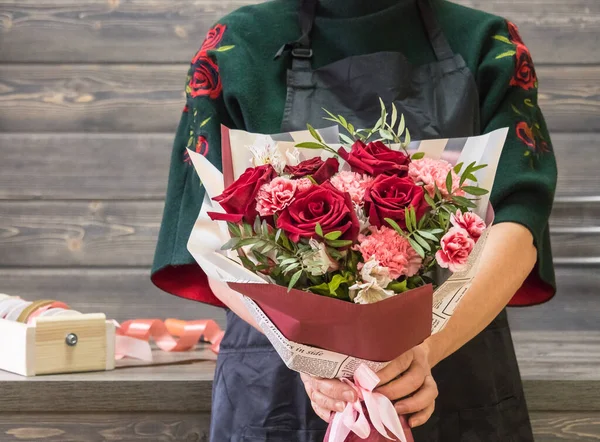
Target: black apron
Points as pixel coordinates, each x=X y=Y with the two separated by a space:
x=255 y=396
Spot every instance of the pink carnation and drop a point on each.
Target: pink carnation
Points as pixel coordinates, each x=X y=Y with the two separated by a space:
x=457 y=245
x=353 y=183
x=303 y=184
x=275 y=196
x=433 y=173
x=391 y=250
x=469 y=221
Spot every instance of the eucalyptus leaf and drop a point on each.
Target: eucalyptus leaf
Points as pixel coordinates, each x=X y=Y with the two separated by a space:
x=257 y=225
x=477 y=191
x=231 y=244
x=386 y=134
x=339 y=243
x=464 y=202
x=234 y=229
x=314 y=133
x=458 y=167
x=422 y=242
x=260 y=257
x=418 y=155
x=291 y=267
x=415 y=245
x=429 y=200
x=395 y=226
x=288 y=261
x=247 y=263
x=401 y=125
x=436 y=231
x=397 y=286
x=319 y=230
x=247 y=242
x=343 y=121
x=265 y=228
x=278 y=235
x=268 y=248
x=248 y=230
x=394 y=116
x=346 y=139
x=333 y=235
x=449 y=183
x=309 y=145
x=407 y=138
x=407 y=219
x=428 y=235
x=295 y=277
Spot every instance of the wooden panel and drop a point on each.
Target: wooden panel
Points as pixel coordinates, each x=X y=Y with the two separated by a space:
x=563 y=427
x=575 y=307
x=135 y=166
x=86 y=427
x=558 y=355
x=170 y=31
x=149 y=98
x=79 y=233
x=84 y=166
x=121 y=294
x=91 y=98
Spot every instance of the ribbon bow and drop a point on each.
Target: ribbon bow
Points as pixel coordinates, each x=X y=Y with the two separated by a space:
x=381 y=411
x=133 y=337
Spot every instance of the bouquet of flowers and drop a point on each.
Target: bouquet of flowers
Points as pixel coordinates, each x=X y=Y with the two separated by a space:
x=349 y=238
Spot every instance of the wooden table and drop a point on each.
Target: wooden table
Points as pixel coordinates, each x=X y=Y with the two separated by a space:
x=561 y=374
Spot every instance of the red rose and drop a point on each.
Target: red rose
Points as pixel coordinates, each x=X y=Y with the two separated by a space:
x=213 y=38
x=376 y=159
x=324 y=205
x=387 y=197
x=320 y=170
x=206 y=79
x=525 y=76
x=239 y=199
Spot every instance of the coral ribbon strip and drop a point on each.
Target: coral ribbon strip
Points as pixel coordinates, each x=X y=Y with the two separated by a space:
x=133 y=336
x=382 y=413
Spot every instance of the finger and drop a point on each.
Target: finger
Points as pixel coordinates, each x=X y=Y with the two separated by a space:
x=334 y=389
x=323 y=414
x=421 y=417
x=410 y=381
x=326 y=402
x=421 y=400
x=395 y=368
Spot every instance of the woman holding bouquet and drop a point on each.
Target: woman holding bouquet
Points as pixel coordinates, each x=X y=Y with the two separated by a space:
x=452 y=72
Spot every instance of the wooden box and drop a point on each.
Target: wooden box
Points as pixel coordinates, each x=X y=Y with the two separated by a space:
x=58 y=345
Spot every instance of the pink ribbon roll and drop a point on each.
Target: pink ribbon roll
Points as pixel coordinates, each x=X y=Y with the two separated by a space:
x=133 y=336
x=380 y=412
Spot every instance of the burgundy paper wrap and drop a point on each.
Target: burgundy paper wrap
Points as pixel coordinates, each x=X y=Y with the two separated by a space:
x=376 y=332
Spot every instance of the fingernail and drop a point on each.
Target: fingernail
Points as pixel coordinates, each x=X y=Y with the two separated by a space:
x=339 y=406
x=349 y=396
x=414 y=423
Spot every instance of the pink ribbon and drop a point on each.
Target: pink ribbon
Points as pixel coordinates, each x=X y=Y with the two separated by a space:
x=133 y=336
x=381 y=411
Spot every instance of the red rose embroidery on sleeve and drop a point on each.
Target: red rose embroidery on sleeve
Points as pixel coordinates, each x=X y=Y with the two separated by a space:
x=206 y=80
x=525 y=134
x=524 y=76
x=202 y=146
x=213 y=38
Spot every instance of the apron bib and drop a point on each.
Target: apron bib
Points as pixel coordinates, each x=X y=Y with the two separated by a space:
x=255 y=396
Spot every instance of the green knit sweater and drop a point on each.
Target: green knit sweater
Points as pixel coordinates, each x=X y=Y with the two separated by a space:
x=233 y=80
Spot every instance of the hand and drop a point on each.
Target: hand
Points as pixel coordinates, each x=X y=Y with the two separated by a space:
x=408 y=377
x=327 y=395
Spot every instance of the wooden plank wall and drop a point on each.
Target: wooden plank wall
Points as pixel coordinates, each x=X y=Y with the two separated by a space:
x=90 y=94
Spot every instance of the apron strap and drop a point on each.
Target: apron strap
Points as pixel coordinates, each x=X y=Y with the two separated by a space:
x=436 y=35
x=301 y=49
